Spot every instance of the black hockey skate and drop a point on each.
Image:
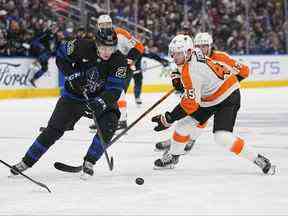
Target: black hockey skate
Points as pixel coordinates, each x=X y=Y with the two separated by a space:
x=32 y=81
x=87 y=170
x=138 y=101
x=165 y=145
x=168 y=161
x=265 y=165
x=21 y=167
x=122 y=125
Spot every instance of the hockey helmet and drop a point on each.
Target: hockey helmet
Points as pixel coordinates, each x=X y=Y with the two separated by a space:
x=104 y=21
x=181 y=44
x=203 y=38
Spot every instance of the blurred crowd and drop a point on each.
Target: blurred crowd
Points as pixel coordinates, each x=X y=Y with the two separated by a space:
x=237 y=26
x=21 y=21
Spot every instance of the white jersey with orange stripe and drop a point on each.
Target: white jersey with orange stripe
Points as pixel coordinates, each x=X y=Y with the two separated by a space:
x=126 y=42
x=206 y=82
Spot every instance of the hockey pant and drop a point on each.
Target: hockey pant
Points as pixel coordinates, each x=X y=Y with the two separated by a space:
x=67 y=112
x=43 y=60
x=225 y=114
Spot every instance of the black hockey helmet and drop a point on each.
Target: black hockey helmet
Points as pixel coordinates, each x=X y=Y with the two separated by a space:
x=106 y=37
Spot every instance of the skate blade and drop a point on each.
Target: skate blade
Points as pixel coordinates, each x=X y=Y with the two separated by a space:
x=85 y=176
x=159 y=150
x=12 y=176
x=164 y=168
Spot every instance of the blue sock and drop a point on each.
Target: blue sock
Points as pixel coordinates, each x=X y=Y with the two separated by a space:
x=34 y=153
x=95 y=150
x=38 y=74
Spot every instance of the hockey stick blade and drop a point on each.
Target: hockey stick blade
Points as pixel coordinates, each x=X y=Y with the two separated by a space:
x=27 y=177
x=67 y=168
x=10 y=64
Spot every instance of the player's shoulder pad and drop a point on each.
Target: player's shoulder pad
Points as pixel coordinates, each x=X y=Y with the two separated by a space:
x=123 y=32
x=69 y=46
x=119 y=65
x=217 y=53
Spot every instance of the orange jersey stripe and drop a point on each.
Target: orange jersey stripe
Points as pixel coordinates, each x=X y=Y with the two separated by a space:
x=186 y=79
x=180 y=138
x=187 y=103
x=237 y=146
x=225 y=58
x=223 y=88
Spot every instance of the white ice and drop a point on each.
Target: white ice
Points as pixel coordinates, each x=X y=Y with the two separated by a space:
x=208 y=181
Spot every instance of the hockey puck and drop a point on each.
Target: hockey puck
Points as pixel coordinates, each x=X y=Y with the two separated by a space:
x=139 y=181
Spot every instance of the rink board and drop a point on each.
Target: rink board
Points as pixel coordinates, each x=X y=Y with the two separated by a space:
x=266 y=71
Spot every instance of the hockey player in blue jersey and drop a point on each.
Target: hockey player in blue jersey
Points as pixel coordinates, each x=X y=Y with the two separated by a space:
x=98 y=69
x=43 y=47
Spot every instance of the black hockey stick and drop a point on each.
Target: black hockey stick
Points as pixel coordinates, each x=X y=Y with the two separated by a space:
x=109 y=160
x=27 y=177
x=67 y=168
x=10 y=64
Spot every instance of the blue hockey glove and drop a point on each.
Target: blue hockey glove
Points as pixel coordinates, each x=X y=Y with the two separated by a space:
x=97 y=106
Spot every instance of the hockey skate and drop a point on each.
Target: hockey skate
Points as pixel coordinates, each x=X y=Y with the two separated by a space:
x=165 y=145
x=138 y=101
x=122 y=125
x=32 y=82
x=168 y=161
x=21 y=167
x=265 y=165
x=87 y=170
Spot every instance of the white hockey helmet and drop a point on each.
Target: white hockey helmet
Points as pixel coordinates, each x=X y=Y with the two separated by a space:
x=104 y=21
x=181 y=43
x=203 y=38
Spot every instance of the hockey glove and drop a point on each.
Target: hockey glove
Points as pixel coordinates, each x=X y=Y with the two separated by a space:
x=163 y=121
x=76 y=81
x=176 y=81
x=97 y=106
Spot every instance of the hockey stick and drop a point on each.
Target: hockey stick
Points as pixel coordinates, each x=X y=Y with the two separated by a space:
x=10 y=64
x=67 y=168
x=109 y=160
x=27 y=177
x=150 y=68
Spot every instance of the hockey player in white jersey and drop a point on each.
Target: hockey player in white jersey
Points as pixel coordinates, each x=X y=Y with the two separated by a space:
x=210 y=89
x=204 y=41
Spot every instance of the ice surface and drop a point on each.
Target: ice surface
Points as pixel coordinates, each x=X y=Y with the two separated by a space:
x=208 y=181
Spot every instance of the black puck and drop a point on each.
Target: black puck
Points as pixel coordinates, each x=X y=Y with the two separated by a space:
x=139 y=181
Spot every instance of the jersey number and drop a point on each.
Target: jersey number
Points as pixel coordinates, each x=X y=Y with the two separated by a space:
x=189 y=94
